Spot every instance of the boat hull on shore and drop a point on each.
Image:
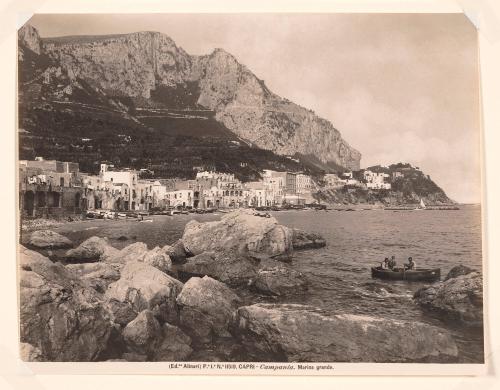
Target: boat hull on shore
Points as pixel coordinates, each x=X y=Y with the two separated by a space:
x=422 y=275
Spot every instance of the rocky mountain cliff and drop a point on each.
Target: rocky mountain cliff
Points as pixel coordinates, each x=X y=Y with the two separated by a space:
x=139 y=72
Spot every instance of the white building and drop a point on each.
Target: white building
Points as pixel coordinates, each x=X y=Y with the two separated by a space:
x=376 y=180
x=222 y=177
x=303 y=183
x=128 y=177
x=179 y=198
x=275 y=185
x=93 y=182
x=258 y=194
x=151 y=194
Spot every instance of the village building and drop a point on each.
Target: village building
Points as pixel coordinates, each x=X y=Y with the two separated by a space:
x=129 y=177
x=291 y=183
x=152 y=194
x=376 y=180
x=258 y=195
x=275 y=184
x=396 y=175
x=179 y=199
x=303 y=184
x=208 y=198
x=49 y=188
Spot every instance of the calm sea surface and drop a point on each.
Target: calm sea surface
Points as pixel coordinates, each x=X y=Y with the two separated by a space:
x=339 y=274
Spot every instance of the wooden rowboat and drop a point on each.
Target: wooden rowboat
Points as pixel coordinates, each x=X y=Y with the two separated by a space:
x=422 y=275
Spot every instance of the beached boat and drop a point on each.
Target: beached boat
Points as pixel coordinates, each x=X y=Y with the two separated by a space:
x=424 y=275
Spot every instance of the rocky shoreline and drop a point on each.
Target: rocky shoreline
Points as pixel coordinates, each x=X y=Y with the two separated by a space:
x=181 y=302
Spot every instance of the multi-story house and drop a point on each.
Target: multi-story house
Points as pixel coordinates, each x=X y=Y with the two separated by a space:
x=179 y=198
x=275 y=184
x=291 y=183
x=304 y=184
x=129 y=177
x=376 y=180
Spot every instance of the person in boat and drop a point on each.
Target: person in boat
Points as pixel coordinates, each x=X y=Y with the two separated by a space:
x=385 y=264
x=392 y=262
x=411 y=265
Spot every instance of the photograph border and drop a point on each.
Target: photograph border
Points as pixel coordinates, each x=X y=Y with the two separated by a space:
x=155 y=368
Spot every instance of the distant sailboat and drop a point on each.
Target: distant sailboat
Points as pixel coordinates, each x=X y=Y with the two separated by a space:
x=422 y=205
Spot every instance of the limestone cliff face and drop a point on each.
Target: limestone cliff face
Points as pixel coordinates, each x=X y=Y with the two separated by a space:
x=124 y=65
x=138 y=65
x=28 y=36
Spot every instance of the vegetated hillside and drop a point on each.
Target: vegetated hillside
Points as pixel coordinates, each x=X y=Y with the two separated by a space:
x=409 y=187
x=165 y=149
x=134 y=73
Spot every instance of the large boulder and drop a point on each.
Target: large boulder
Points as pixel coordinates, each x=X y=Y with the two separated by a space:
x=122 y=312
x=142 y=334
x=277 y=278
x=146 y=339
x=457 y=271
x=138 y=252
x=305 y=240
x=301 y=333
x=92 y=249
x=60 y=316
x=132 y=252
x=98 y=275
x=175 y=345
x=233 y=270
x=47 y=239
x=239 y=232
x=206 y=307
x=177 y=252
x=459 y=298
x=142 y=286
x=158 y=258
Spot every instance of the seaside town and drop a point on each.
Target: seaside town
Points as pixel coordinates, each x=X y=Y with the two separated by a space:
x=55 y=188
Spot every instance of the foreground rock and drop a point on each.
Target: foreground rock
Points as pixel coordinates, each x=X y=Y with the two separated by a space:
x=266 y=276
x=276 y=278
x=60 y=316
x=229 y=269
x=304 y=240
x=175 y=345
x=177 y=252
x=47 y=239
x=92 y=249
x=144 y=287
x=458 y=298
x=457 y=271
x=239 y=232
x=206 y=307
x=132 y=252
x=138 y=252
x=300 y=333
x=98 y=275
x=144 y=336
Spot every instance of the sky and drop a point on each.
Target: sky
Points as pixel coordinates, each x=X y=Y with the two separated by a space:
x=399 y=87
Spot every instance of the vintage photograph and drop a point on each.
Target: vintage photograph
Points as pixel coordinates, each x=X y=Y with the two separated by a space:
x=272 y=188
